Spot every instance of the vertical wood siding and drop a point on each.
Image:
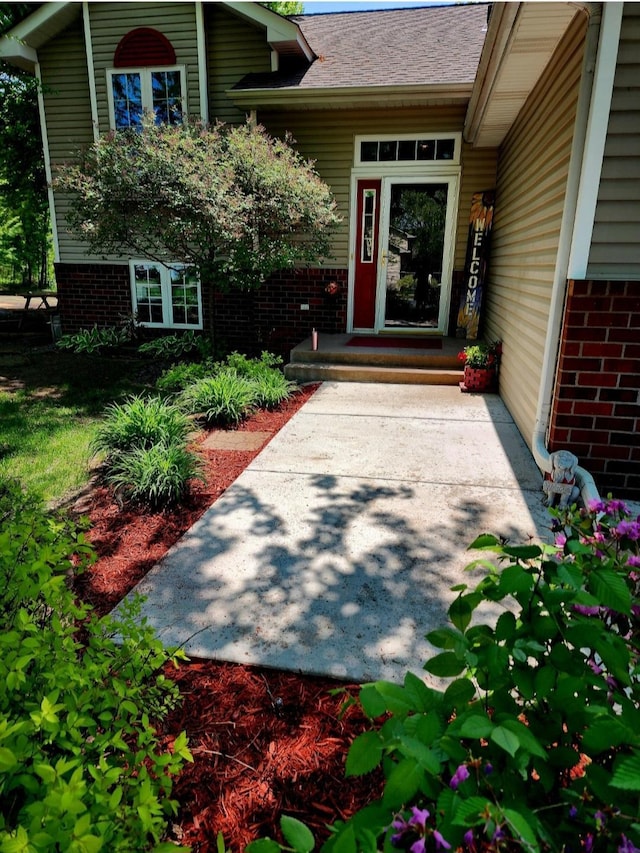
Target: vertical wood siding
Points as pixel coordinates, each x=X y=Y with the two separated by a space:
x=111 y=21
x=532 y=175
x=615 y=247
x=328 y=137
x=68 y=115
x=234 y=48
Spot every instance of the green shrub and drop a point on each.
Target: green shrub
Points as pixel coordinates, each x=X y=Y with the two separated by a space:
x=81 y=768
x=140 y=422
x=534 y=745
x=272 y=389
x=223 y=399
x=253 y=367
x=158 y=475
x=95 y=340
x=180 y=376
x=177 y=346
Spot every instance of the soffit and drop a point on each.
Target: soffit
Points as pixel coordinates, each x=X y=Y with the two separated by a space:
x=521 y=40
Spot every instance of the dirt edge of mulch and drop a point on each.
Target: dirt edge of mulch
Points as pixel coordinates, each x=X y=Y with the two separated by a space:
x=265 y=742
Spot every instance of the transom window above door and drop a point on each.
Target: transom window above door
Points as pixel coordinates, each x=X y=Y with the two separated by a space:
x=406 y=150
x=160 y=91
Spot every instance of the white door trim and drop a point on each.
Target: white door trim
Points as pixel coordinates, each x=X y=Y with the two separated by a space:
x=453 y=183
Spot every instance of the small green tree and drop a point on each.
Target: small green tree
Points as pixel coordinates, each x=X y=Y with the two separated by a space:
x=233 y=202
x=286 y=7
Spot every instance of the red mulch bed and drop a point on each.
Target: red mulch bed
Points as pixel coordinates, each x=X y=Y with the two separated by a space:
x=264 y=742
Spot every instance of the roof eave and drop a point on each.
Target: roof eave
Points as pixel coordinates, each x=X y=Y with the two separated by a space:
x=296 y=97
x=283 y=35
x=18 y=54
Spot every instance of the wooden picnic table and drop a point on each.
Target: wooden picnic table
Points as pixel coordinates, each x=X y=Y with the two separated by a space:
x=42 y=295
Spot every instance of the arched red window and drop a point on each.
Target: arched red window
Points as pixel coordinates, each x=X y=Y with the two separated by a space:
x=144 y=47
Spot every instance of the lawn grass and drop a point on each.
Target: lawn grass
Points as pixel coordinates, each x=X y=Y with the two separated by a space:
x=50 y=405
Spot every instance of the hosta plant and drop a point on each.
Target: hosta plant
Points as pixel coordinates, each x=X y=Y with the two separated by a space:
x=534 y=744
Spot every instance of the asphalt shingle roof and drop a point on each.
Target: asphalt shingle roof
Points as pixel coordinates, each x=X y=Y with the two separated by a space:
x=396 y=47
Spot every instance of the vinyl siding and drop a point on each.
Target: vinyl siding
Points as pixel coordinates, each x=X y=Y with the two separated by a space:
x=532 y=175
x=111 y=21
x=68 y=115
x=234 y=48
x=615 y=248
x=328 y=137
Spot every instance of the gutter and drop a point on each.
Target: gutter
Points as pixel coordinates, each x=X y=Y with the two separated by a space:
x=584 y=480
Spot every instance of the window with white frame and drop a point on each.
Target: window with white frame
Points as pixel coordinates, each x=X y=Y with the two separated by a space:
x=160 y=91
x=166 y=296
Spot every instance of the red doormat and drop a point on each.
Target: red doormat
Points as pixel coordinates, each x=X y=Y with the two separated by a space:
x=394 y=342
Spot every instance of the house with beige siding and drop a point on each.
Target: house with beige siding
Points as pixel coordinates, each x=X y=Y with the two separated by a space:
x=407 y=114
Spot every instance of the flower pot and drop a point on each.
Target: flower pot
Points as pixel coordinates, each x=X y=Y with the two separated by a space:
x=478 y=379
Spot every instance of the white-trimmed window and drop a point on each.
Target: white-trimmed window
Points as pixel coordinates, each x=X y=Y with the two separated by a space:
x=166 y=296
x=408 y=150
x=160 y=91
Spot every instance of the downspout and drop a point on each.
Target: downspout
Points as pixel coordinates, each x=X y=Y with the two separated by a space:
x=584 y=480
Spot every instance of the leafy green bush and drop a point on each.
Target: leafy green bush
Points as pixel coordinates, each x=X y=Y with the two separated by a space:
x=95 y=340
x=180 y=376
x=177 y=346
x=223 y=399
x=158 y=475
x=81 y=768
x=535 y=743
x=253 y=367
x=272 y=389
x=140 y=422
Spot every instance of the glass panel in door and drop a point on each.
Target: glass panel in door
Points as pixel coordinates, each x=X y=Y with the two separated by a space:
x=417 y=219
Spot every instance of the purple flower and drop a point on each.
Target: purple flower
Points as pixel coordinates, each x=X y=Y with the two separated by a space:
x=633 y=560
x=419 y=817
x=498 y=834
x=627 y=846
x=630 y=529
x=418 y=846
x=573 y=813
x=601 y=819
x=469 y=840
x=612 y=507
x=488 y=769
x=588 y=843
x=401 y=825
x=596 y=506
x=459 y=776
x=441 y=843
x=586 y=610
x=561 y=540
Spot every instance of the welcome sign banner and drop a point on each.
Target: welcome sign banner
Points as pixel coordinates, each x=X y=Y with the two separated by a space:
x=476 y=263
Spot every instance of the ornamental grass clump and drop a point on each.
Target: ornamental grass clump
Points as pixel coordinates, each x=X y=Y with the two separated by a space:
x=224 y=399
x=272 y=389
x=180 y=376
x=81 y=765
x=140 y=422
x=158 y=475
x=534 y=744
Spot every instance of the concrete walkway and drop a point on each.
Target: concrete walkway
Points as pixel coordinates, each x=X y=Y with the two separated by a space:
x=334 y=552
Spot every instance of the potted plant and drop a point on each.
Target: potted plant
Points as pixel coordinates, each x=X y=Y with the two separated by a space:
x=481 y=362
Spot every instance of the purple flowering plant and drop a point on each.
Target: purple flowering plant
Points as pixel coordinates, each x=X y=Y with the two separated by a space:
x=534 y=744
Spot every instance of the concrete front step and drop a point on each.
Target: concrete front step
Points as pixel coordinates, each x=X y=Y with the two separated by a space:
x=318 y=371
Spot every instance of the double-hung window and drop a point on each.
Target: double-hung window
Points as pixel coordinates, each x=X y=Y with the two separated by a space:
x=160 y=91
x=166 y=295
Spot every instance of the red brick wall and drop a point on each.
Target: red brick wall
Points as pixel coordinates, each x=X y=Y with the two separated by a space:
x=271 y=318
x=268 y=318
x=596 y=408
x=92 y=294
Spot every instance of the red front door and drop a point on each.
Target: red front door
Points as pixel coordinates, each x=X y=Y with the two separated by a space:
x=366 y=254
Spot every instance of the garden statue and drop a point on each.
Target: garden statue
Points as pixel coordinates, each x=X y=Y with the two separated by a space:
x=561 y=480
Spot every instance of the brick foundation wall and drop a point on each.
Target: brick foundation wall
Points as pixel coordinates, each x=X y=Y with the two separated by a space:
x=269 y=318
x=596 y=408
x=92 y=294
